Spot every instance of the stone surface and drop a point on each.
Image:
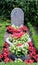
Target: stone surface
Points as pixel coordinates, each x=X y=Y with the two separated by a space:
x=17 y=17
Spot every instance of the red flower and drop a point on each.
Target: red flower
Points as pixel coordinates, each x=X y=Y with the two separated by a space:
x=5 y=44
x=1 y=56
x=28 y=61
x=6 y=59
x=30 y=44
x=31 y=61
x=17 y=35
x=36 y=55
x=30 y=54
x=5 y=54
x=19 y=44
x=32 y=49
x=12 y=29
x=24 y=28
x=5 y=50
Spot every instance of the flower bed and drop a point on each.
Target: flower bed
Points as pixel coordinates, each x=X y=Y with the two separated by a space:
x=18 y=45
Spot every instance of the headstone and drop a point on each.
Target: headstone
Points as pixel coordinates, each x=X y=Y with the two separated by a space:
x=17 y=17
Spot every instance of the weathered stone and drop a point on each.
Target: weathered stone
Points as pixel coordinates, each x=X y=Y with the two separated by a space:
x=17 y=17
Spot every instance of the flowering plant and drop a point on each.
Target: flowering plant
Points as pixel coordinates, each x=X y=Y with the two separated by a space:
x=18 y=45
x=17 y=40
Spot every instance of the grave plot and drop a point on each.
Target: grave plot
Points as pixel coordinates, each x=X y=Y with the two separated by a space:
x=18 y=44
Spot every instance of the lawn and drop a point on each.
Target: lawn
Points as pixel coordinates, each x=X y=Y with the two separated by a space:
x=3 y=25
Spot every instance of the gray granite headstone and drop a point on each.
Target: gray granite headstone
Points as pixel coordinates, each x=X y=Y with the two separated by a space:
x=17 y=17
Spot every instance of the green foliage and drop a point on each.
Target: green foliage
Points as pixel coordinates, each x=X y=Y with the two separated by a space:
x=31 y=28
x=30 y=9
x=2 y=31
x=33 y=35
x=16 y=63
x=35 y=40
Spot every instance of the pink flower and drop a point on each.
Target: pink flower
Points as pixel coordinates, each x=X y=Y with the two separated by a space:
x=5 y=54
x=24 y=28
x=17 y=35
x=6 y=59
x=19 y=44
x=1 y=56
x=28 y=61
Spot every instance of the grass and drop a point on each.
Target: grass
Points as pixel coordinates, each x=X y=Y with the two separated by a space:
x=13 y=63
x=17 y=63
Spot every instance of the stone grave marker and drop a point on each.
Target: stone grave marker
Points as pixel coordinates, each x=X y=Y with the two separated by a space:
x=17 y=17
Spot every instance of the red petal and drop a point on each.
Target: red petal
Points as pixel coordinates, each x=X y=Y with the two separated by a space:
x=19 y=45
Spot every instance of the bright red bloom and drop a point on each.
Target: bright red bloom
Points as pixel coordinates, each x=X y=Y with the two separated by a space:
x=6 y=59
x=31 y=61
x=5 y=50
x=12 y=29
x=1 y=56
x=28 y=61
x=32 y=49
x=32 y=53
x=17 y=35
x=24 y=28
x=37 y=57
x=5 y=54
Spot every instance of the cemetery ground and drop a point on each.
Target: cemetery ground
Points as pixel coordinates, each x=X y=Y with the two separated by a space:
x=34 y=36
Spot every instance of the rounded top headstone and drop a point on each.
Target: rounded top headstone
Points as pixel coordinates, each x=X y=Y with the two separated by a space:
x=17 y=17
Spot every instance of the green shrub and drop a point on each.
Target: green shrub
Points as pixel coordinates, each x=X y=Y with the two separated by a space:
x=33 y=35
x=35 y=41
x=30 y=9
x=31 y=28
